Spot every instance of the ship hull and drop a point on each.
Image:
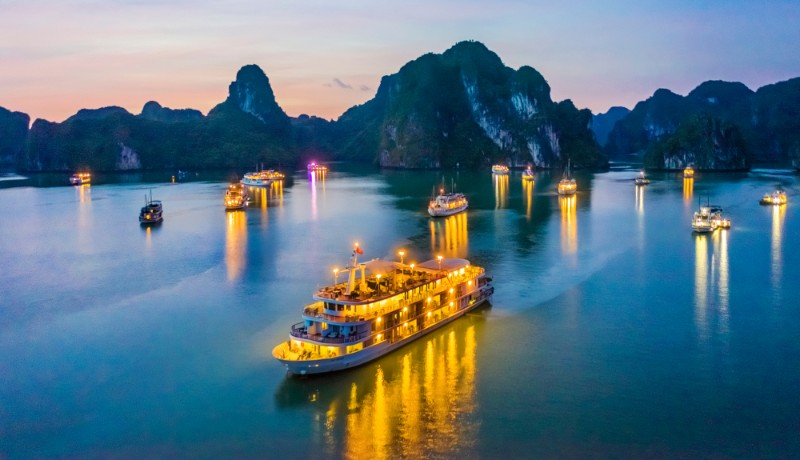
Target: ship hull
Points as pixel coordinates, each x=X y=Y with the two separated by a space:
x=340 y=363
x=435 y=212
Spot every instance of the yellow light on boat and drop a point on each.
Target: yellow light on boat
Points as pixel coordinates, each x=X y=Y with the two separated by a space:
x=379 y=336
x=405 y=309
x=405 y=324
x=469 y=283
x=429 y=300
x=461 y=271
x=451 y=304
x=379 y=319
x=429 y=314
x=451 y=290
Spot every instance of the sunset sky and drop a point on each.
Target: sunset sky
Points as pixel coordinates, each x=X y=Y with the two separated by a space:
x=323 y=57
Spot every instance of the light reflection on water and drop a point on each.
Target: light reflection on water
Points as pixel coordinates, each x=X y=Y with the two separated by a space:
x=235 y=243
x=688 y=189
x=500 y=190
x=569 y=224
x=712 y=283
x=418 y=403
x=450 y=235
x=776 y=249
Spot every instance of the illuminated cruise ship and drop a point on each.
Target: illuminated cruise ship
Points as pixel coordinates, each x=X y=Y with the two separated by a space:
x=381 y=306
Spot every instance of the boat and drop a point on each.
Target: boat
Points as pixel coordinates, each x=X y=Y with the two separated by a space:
x=778 y=197
x=567 y=185
x=641 y=179
x=314 y=167
x=391 y=305
x=688 y=173
x=80 y=178
x=261 y=178
x=527 y=174
x=235 y=197
x=499 y=169
x=447 y=203
x=151 y=212
x=708 y=219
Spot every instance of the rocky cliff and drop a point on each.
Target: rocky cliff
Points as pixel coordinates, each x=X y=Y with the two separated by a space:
x=465 y=107
x=767 y=121
x=604 y=122
x=13 y=134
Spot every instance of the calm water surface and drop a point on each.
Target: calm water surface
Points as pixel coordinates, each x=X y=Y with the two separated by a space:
x=613 y=331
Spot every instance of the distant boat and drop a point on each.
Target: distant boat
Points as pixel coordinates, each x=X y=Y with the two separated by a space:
x=80 y=178
x=567 y=185
x=641 y=179
x=688 y=173
x=499 y=169
x=708 y=219
x=262 y=178
x=151 y=212
x=778 y=197
x=447 y=203
x=235 y=197
x=314 y=167
x=527 y=174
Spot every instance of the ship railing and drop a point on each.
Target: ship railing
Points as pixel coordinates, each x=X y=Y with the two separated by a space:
x=301 y=332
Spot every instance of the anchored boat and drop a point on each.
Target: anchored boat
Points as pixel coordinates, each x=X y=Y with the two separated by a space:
x=641 y=179
x=388 y=306
x=151 y=212
x=499 y=169
x=709 y=218
x=80 y=178
x=778 y=197
x=527 y=174
x=567 y=184
x=447 y=203
x=261 y=178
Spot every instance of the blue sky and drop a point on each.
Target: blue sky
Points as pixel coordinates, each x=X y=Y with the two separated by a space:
x=323 y=57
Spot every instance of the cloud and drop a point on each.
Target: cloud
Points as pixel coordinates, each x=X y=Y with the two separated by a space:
x=341 y=84
x=363 y=88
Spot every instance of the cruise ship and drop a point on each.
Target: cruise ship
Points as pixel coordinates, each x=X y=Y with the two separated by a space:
x=447 y=203
x=499 y=169
x=708 y=219
x=688 y=173
x=80 y=178
x=381 y=306
x=261 y=178
x=567 y=184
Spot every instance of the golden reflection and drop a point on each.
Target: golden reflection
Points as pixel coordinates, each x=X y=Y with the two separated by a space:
x=527 y=192
x=640 y=199
x=701 y=283
x=236 y=244
x=84 y=193
x=569 y=223
x=420 y=404
x=775 y=250
x=500 y=190
x=721 y=276
x=688 y=189
x=449 y=236
x=148 y=237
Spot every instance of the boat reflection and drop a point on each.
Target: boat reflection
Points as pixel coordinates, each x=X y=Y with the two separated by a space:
x=527 y=193
x=776 y=249
x=417 y=402
x=316 y=178
x=711 y=283
x=639 y=204
x=235 y=244
x=500 y=190
x=450 y=236
x=569 y=223
x=640 y=199
x=688 y=189
x=84 y=193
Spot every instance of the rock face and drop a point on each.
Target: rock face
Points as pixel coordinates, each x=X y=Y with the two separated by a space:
x=13 y=134
x=604 y=122
x=766 y=120
x=252 y=94
x=248 y=128
x=155 y=112
x=702 y=141
x=464 y=107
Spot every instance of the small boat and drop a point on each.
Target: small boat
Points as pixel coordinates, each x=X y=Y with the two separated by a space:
x=641 y=179
x=567 y=185
x=688 y=173
x=262 y=178
x=499 y=169
x=527 y=174
x=778 y=197
x=447 y=203
x=235 y=197
x=151 y=212
x=391 y=305
x=709 y=218
x=80 y=178
x=314 y=167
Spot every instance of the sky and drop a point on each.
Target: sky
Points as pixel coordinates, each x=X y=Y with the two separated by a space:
x=322 y=57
